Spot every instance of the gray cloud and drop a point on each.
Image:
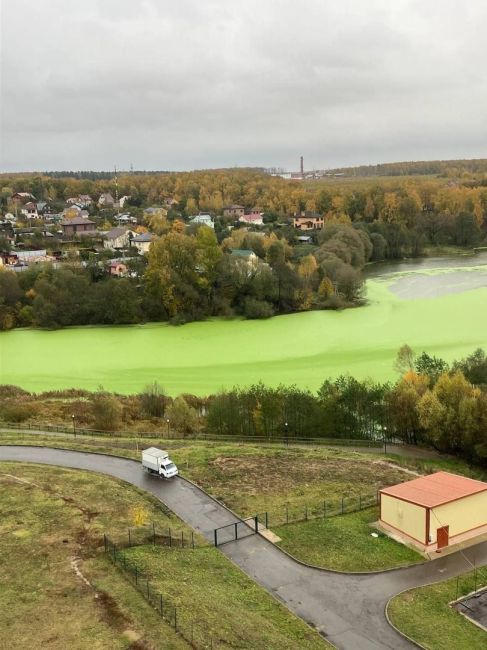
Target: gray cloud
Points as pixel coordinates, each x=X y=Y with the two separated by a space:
x=86 y=85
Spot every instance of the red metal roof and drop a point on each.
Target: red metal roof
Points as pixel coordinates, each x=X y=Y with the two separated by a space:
x=435 y=489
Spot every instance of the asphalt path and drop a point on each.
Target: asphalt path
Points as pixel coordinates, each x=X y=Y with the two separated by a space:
x=348 y=609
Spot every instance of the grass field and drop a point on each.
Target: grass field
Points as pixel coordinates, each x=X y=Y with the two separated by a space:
x=424 y=615
x=201 y=358
x=344 y=543
x=51 y=526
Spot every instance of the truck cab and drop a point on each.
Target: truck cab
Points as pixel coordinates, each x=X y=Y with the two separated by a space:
x=157 y=461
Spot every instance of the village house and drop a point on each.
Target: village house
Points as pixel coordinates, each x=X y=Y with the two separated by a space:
x=308 y=221
x=118 y=269
x=142 y=242
x=78 y=226
x=118 y=238
x=236 y=211
x=106 y=200
x=29 y=210
x=254 y=218
x=202 y=220
x=247 y=256
x=22 y=197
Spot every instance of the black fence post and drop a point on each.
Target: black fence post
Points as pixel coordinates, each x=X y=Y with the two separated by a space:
x=215 y=533
x=256 y=520
x=266 y=519
x=236 y=530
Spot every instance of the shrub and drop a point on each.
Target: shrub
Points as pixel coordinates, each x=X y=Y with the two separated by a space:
x=153 y=400
x=107 y=411
x=18 y=412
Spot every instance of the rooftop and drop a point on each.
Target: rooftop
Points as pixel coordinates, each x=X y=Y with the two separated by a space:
x=435 y=489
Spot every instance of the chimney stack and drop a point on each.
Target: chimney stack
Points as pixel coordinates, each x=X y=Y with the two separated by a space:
x=302 y=166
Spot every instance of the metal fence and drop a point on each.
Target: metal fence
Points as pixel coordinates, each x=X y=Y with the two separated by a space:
x=150 y=534
x=236 y=530
x=196 y=632
x=290 y=514
x=76 y=431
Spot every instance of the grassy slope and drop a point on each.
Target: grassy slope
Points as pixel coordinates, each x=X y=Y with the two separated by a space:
x=424 y=615
x=203 y=357
x=344 y=543
x=230 y=605
x=53 y=515
x=48 y=518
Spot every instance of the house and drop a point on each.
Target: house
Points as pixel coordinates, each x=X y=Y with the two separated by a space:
x=118 y=237
x=236 y=211
x=202 y=220
x=106 y=200
x=435 y=511
x=117 y=269
x=142 y=242
x=253 y=218
x=42 y=207
x=308 y=221
x=29 y=210
x=78 y=226
x=84 y=200
x=8 y=259
x=247 y=256
x=22 y=197
x=124 y=219
x=122 y=201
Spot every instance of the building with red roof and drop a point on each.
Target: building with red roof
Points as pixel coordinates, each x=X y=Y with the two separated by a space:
x=435 y=511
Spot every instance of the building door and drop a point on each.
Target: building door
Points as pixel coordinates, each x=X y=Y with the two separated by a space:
x=442 y=536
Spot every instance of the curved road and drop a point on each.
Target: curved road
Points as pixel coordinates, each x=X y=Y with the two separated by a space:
x=347 y=609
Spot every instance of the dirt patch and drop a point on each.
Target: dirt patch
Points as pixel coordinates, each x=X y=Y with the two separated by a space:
x=253 y=475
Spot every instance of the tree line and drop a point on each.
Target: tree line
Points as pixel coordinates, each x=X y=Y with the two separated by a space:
x=432 y=403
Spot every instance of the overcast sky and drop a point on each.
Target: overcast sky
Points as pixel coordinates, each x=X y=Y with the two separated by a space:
x=185 y=84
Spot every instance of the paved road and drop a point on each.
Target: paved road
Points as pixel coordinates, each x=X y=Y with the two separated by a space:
x=347 y=609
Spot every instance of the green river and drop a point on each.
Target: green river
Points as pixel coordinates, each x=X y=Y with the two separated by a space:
x=438 y=305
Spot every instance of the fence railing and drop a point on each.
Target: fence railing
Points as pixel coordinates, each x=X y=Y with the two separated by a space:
x=236 y=530
x=76 y=431
x=195 y=631
x=290 y=514
x=150 y=534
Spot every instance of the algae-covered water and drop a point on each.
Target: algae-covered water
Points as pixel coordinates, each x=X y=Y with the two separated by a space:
x=439 y=306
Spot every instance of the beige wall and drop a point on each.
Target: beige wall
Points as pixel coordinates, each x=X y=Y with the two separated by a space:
x=460 y=516
x=406 y=517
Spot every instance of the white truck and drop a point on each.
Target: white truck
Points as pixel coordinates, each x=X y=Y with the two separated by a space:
x=157 y=461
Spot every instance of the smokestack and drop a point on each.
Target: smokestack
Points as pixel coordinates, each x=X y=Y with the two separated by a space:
x=302 y=166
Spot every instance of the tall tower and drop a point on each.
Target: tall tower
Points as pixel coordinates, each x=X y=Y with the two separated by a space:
x=302 y=166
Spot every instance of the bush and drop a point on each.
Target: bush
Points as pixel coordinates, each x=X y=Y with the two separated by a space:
x=153 y=400
x=107 y=411
x=254 y=308
x=182 y=417
x=18 y=412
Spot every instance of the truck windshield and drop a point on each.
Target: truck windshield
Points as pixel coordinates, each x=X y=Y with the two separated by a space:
x=169 y=466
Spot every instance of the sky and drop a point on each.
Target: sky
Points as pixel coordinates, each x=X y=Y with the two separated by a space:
x=191 y=84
